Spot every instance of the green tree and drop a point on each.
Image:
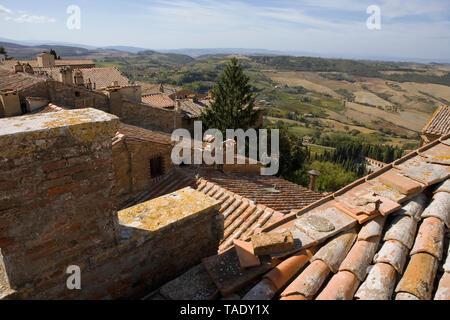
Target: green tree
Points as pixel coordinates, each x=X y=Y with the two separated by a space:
x=3 y=51
x=293 y=155
x=233 y=102
x=53 y=52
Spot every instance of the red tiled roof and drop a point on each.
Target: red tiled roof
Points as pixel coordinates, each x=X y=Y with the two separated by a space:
x=244 y=207
x=159 y=100
x=439 y=123
x=399 y=255
x=104 y=77
x=18 y=81
x=191 y=109
x=149 y=88
x=133 y=132
x=273 y=192
x=58 y=63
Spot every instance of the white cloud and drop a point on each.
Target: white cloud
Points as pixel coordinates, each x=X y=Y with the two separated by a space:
x=4 y=10
x=26 y=18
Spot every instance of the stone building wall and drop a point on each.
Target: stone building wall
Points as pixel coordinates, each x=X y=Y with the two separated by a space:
x=131 y=159
x=56 y=180
x=148 y=117
x=58 y=208
x=149 y=256
x=77 y=97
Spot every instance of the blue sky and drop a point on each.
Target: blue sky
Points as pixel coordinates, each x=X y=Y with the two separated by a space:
x=409 y=28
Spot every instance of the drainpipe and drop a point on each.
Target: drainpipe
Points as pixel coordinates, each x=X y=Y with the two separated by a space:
x=313 y=174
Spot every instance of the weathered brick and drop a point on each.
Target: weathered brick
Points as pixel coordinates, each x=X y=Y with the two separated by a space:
x=54 y=165
x=68 y=171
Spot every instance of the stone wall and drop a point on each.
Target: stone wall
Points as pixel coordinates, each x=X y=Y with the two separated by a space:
x=131 y=159
x=58 y=208
x=148 y=117
x=56 y=180
x=161 y=239
x=76 y=97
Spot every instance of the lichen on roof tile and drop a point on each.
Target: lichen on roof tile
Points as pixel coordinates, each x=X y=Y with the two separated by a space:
x=439 y=208
x=430 y=237
x=394 y=253
x=379 y=283
x=335 y=250
x=419 y=276
x=403 y=229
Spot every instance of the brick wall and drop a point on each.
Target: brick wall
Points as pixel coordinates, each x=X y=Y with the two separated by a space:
x=149 y=117
x=76 y=97
x=57 y=208
x=56 y=179
x=151 y=255
x=131 y=158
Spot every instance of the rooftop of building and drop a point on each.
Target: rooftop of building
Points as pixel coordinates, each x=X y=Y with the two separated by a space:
x=159 y=100
x=382 y=237
x=58 y=63
x=439 y=123
x=104 y=77
x=137 y=133
x=250 y=204
x=17 y=81
x=149 y=88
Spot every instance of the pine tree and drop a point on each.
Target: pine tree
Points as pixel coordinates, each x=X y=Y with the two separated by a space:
x=53 y=52
x=232 y=105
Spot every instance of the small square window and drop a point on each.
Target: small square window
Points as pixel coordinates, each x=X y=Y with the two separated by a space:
x=156 y=167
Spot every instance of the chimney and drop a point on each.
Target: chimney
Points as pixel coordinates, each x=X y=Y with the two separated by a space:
x=18 y=67
x=78 y=77
x=65 y=75
x=313 y=174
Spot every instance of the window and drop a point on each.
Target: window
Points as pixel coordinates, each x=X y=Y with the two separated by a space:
x=156 y=168
x=77 y=94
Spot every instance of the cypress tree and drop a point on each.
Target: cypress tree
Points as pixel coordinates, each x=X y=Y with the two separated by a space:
x=233 y=102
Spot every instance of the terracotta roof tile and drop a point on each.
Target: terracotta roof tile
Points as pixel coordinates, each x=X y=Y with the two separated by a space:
x=18 y=81
x=439 y=123
x=335 y=251
x=276 y=278
x=342 y=286
x=308 y=283
x=379 y=284
x=419 y=276
x=190 y=109
x=104 y=77
x=373 y=228
x=439 y=208
x=428 y=173
x=244 y=251
x=403 y=229
x=430 y=238
x=443 y=291
x=405 y=263
x=440 y=154
x=242 y=215
x=137 y=133
x=393 y=253
x=360 y=257
x=404 y=185
x=159 y=100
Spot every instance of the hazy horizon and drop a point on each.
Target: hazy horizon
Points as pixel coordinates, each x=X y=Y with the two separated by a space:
x=415 y=30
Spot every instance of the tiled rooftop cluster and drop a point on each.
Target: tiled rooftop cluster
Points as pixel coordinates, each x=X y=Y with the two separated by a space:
x=439 y=123
x=18 y=81
x=382 y=237
x=189 y=108
x=243 y=214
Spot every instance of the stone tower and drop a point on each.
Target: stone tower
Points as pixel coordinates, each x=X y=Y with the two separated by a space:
x=45 y=60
